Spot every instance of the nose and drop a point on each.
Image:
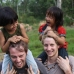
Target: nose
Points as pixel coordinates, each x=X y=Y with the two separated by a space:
x=49 y=47
x=17 y=59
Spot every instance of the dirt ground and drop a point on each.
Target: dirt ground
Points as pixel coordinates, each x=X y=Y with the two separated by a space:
x=1 y=56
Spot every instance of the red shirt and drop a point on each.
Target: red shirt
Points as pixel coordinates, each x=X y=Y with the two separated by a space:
x=61 y=31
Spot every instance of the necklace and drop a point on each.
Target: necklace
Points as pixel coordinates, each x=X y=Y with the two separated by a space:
x=46 y=65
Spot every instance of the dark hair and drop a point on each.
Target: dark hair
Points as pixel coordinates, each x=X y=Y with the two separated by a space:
x=18 y=45
x=7 y=16
x=57 y=14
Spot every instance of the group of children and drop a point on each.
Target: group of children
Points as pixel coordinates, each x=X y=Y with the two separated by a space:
x=12 y=31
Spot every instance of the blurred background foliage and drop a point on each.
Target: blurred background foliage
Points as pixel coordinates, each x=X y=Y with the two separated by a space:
x=32 y=11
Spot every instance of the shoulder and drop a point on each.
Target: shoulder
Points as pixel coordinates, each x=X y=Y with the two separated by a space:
x=41 y=67
x=71 y=60
x=61 y=30
x=40 y=27
x=21 y=26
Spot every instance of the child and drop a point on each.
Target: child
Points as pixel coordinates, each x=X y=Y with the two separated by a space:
x=54 y=22
x=13 y=32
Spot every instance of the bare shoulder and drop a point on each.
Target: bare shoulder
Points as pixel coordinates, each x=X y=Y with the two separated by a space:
x=22 y=25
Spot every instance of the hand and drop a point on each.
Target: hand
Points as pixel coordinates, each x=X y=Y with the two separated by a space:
x=12 y=71
x=19 y=37
x=64 y=64
x=40 y=59
x=47 y=29
x=14 y=39
x=30 y=71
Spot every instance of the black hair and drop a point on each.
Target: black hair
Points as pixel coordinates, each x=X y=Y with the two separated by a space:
x=57 y=14
x=7 y=16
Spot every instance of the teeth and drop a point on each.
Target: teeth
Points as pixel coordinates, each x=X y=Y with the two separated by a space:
x=18 y=63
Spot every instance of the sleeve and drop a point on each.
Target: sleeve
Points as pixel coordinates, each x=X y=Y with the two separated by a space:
x=61 y=31
x=40 y=28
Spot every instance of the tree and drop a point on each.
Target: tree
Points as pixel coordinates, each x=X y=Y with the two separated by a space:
x=59 y=2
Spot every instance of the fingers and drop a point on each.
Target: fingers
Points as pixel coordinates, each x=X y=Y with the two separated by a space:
x=39 y=59
x=59 y=59
x=8 y=68
x=1 y=72
x=38 y=72
x=30 y=71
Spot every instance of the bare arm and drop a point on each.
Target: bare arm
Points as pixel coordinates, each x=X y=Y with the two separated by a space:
x=24 y=36
x=61 y=40
x=4 y=46
x=50 y=32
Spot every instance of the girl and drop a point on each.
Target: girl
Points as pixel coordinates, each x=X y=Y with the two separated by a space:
x=54 y=22
x=13 y=32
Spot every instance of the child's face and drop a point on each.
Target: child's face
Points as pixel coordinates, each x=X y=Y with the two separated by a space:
x=50 y=21
x=11 y=27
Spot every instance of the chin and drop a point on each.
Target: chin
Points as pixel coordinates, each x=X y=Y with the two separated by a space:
x=50 y=55
x=19 y=67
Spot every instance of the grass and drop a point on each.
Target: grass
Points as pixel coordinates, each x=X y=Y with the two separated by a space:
x=36 y=47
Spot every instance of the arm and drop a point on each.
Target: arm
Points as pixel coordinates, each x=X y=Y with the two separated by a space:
x=64 y=65
x=4 y=46
x=50 y=32
x=61 y=40
x=24 y=36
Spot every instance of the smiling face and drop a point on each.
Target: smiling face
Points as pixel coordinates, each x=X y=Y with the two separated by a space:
x=11 y=27
x=50 y=47
x=18 y=57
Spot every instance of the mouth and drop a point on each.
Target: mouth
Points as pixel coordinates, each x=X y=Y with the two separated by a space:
x=49 y=52
x=19 y=64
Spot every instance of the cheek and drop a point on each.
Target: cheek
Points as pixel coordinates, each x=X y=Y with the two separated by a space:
x=45 y=47
x=13 y=59
x=24 y=57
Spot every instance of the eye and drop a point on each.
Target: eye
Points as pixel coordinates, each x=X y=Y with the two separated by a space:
x=13 y=57
x=51 y=44
x=21 y=56
x=45 y=45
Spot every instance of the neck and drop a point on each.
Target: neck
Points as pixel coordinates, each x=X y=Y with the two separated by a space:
x=53 y=28
x=52 y=59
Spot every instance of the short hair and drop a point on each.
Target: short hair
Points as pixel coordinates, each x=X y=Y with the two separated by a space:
x=17 y=46
x=7 y=16
x=57 y=13
x=47 y=36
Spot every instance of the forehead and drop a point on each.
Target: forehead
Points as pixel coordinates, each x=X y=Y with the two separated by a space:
x=16 y=49
x=49 y=40
x=16 y=52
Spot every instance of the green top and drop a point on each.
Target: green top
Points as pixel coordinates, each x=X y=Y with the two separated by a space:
x=7 y=35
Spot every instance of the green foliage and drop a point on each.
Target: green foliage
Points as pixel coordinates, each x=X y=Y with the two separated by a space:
x=67 y=21
x=70 y=39
x=28 y=19
x=29 y=11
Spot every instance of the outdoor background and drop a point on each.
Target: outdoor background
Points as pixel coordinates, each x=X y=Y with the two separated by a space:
x=32 y=14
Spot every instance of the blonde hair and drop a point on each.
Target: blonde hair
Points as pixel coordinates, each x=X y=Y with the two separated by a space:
x=46 y=35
